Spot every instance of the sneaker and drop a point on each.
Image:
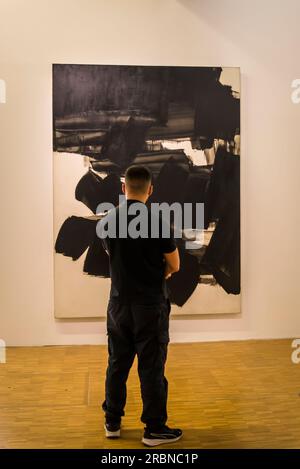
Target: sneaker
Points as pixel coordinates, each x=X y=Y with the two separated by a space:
x=112 y=430
x=162 y=436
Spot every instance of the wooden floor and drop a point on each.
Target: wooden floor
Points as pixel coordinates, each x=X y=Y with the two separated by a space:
x=223 y=395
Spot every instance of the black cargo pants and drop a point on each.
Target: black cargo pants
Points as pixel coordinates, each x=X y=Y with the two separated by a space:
x=143 y=330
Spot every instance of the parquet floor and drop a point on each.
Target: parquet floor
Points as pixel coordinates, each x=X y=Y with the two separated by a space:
x=223 y=395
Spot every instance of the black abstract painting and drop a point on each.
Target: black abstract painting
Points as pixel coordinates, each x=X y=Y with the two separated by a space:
x=183 y=123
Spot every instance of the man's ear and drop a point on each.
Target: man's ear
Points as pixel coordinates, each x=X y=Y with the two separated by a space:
x=150 y=190
x=123 y=187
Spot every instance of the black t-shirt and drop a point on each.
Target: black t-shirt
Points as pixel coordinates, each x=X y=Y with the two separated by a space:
x=137 y=263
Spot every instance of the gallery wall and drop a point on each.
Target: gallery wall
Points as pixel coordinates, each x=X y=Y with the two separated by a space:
x=261 y=37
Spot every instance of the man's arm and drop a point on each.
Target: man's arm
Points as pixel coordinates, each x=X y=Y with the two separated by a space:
x=172 y=263
x=105 y=246
x=101 y=232
x=169 y=249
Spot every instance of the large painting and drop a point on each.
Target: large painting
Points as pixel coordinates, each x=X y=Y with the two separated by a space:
x=183 y=123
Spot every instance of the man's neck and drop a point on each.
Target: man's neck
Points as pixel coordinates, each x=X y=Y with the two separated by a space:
x=138 y=198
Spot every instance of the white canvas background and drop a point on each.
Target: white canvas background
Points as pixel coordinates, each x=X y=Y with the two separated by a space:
x=80 y=295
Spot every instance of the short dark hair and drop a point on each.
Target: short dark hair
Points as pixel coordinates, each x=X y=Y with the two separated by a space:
x=138 y=178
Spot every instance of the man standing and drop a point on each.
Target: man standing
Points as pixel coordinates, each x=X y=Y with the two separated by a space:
x=138 y=313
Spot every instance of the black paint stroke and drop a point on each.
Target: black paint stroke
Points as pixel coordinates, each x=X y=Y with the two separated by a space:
x=223 y=204
x=188 y=276
x=75 y=236
x=172 y=176
x=92 y=190
x=89 y=190
x=96 y=261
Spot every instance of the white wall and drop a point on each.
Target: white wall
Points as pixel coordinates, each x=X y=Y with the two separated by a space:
x=260 y=36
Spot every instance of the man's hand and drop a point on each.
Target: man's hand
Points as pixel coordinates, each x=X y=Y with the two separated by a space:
x=172 y=263
x=168 y=272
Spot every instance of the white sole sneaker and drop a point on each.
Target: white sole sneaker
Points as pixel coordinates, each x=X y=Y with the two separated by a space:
x=109 y=434
x=157 y=441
